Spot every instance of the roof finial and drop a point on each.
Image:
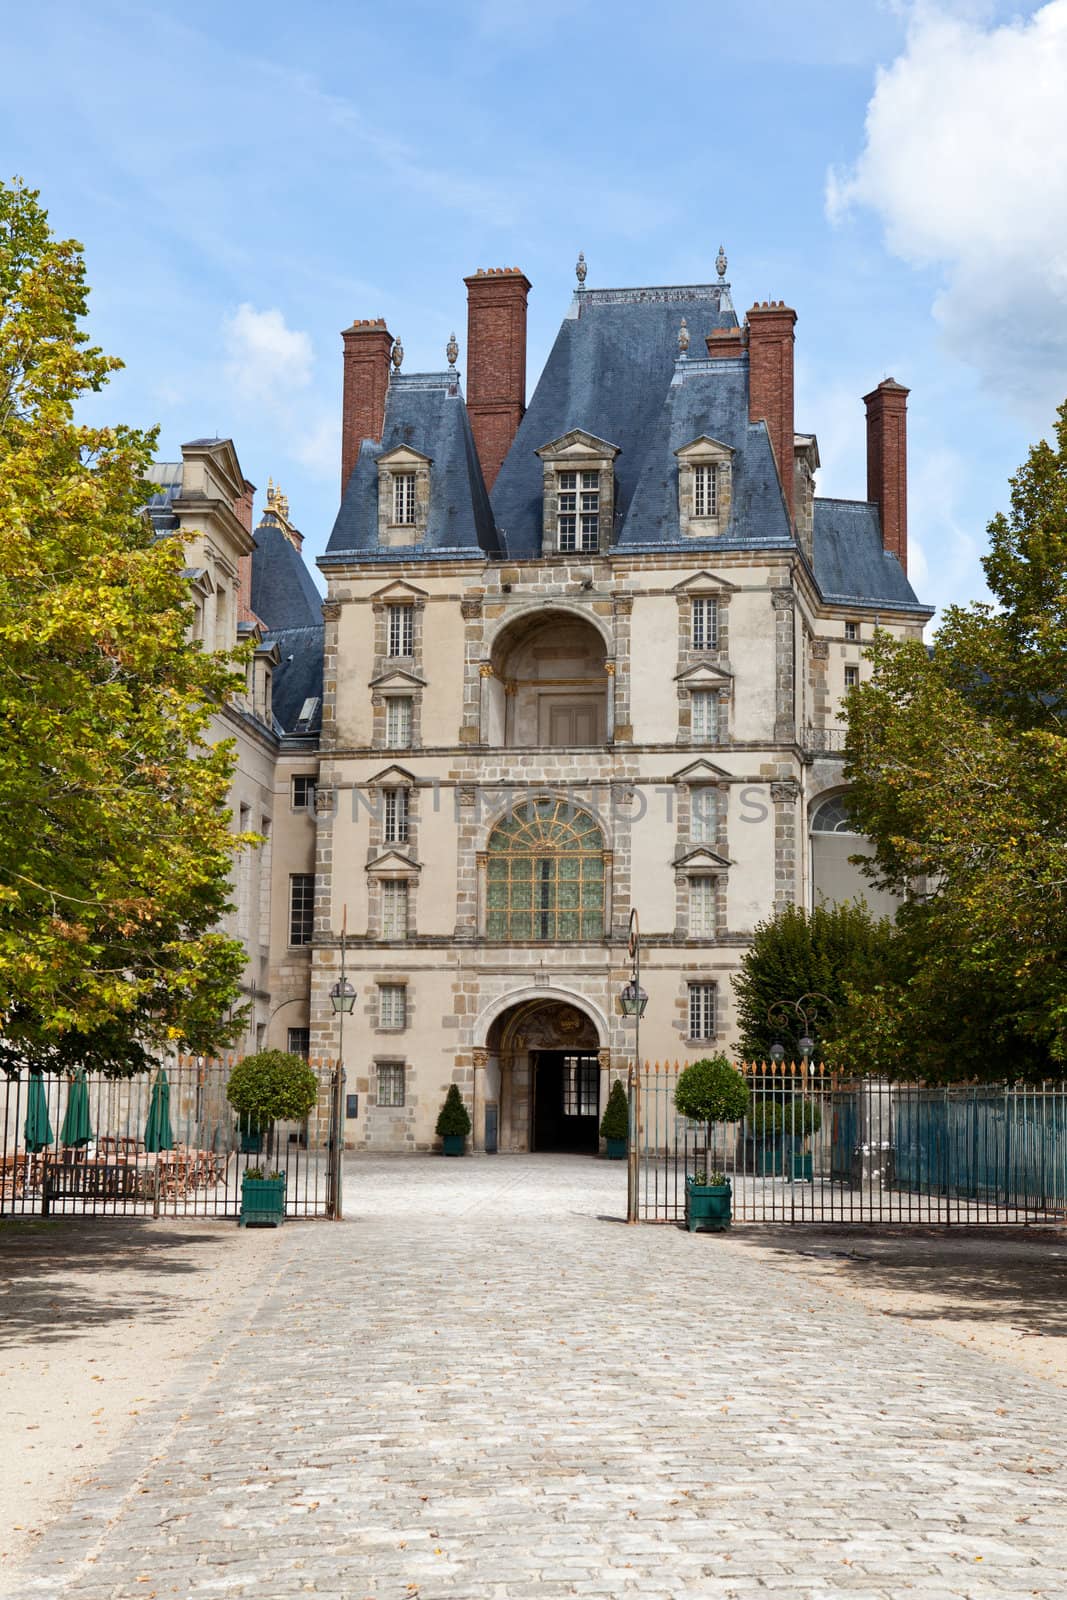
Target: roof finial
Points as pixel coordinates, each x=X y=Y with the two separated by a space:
x=397 y=354
x=270 y=491
x=683 y=341
x=721 y=263
x=451 y=352
x=580 y=269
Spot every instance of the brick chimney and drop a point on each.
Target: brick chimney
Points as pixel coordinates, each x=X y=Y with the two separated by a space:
x=887 y=463
x=496 y=361
x=770 y=383
x=366 y=380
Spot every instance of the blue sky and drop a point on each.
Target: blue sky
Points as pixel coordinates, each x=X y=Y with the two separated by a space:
x=246 y=179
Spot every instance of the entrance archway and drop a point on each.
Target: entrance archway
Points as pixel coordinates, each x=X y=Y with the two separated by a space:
x=544 y=1068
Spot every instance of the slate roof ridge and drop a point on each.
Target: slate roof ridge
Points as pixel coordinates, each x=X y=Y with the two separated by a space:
x=663 y=293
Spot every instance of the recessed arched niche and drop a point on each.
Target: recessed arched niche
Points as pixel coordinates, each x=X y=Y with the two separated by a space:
x=548 y=688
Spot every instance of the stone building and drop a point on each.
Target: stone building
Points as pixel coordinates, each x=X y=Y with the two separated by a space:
x=575 y=657
x=254 y=586
x=579 y=656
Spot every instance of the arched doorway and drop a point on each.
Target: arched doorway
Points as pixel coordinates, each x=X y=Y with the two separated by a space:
x=551 y=683
x=545 y=1064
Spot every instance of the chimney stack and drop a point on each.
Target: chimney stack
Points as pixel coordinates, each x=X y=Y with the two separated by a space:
x=366 y=380
x=770 y=383
x=242 y=510
x=887 y=463
x=496 y=362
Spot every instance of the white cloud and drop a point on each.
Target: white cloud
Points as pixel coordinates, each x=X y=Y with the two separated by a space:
x=265 y=358
x=963 y=162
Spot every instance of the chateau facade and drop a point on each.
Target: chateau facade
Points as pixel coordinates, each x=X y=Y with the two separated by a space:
x=576 y=657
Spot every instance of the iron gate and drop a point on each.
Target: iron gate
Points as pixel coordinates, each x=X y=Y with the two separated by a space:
x=821 y=1148
x=197 y=1170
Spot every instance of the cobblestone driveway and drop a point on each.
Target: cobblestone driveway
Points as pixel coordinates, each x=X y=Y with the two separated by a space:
x=484 y=1385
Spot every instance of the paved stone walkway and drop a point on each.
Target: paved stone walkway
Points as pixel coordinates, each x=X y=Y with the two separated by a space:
x=484 y=1386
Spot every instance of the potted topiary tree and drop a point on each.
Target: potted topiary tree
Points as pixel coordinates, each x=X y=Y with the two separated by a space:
x=801 y=1118
x=453 y=1122
x=707 y=1092
x=268 y=1087
x=615 y=1123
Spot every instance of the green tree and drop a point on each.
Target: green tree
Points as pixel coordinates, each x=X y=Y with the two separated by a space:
x=957 y=758
x=115 y=849
x=797 y=953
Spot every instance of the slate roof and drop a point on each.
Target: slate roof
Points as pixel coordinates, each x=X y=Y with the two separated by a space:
x=168 y=475
x=608 y=372
x=298 y=676
x=850 y=563
x=283 y=591
x=708 y=397
x=427 y=412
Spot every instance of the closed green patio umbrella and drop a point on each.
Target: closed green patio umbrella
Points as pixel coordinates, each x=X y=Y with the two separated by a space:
x=158 y=1134
x=37 y=1129
x=77 y=1128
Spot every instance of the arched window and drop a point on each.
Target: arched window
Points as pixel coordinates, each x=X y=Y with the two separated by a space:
x=546 y=875
x=833 y=816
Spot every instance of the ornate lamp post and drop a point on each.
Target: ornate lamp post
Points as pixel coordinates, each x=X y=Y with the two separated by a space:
x=633 y=1000
x=805 y=1010
x=342 y=999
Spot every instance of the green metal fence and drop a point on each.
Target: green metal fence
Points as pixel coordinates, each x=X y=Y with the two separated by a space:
x=820 y=1148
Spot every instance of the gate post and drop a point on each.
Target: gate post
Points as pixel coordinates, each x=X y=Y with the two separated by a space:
x=633 y=1096
x=335 y=1147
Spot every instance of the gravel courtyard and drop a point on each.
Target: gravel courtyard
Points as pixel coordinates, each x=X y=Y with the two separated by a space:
x=484 y=1385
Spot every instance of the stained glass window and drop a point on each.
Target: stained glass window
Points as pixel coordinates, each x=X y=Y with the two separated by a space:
x=546 y=875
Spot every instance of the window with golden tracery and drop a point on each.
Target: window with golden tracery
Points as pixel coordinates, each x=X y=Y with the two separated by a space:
x=546 y=874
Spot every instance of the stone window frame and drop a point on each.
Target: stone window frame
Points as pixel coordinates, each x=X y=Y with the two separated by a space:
x=702 y=982
x=702 y=863
x=703 y=679
x=403 y=460
x=705 y=881
x=703 y=586
x=704 y=451
x=376 y=787
x=391 y=867
x=852 y=631
x=381 y=605
x=396 y=686
x=852 y=675
x=577 y=451
x=398 y=1069
x=391 y=981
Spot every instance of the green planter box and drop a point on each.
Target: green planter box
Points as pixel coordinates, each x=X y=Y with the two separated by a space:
x=616 y=1149
x=769 y=1158
x=707 y=1206
x=801 y=1167
x=262 y=1202
x=453 y=1143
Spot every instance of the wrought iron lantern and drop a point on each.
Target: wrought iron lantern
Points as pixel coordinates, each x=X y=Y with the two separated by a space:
x=633 y=999
x=343 y=997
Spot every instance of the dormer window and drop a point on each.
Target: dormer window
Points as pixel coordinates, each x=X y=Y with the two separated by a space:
x=579 y=511
x=403 y=496
x=704 y=487
x=403 y=499
x=579 y=494
x=705 y=490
